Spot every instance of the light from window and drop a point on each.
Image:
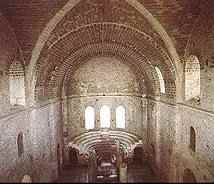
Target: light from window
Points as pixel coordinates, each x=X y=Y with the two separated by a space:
x=120 y=117
x=160 y=76
x=89 y=118
x=192 y=77
x=105 y=117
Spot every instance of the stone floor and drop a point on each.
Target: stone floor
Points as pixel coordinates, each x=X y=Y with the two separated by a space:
x=74 y=174
x=137 y=173
x=141 y=173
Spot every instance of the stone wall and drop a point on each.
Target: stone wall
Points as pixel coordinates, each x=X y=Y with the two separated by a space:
x=201 y=44
x=161 y=136
x=104 y=76
x=104 y=81
x=8 y=50
x=201 y=162
x=207 y=88
x=133 y=106
x=41 y=134
x=169 y=139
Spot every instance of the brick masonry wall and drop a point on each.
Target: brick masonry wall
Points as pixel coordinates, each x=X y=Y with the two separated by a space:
x=133 y=106
x=161 y=136
x=201 y=162
x=169 y=132
x=41 y=134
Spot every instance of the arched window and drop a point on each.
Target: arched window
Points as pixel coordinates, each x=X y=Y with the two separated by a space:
x=20 y=144
x=120 y=117
x=162 y=83
x=192 y=77
x=192 y=139
x=188 y=176
x=16 y=84
x=105 y=117
x=89 y=117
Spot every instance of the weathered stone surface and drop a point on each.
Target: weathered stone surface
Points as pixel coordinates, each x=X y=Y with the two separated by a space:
x=41 y=134
x=105 y=53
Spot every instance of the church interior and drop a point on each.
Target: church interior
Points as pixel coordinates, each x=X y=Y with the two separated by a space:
x=106 y=91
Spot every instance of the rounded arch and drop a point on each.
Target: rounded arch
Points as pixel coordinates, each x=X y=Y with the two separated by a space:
x=189 y=176
x=107 y=51
x=31 y=75
x=113 y=47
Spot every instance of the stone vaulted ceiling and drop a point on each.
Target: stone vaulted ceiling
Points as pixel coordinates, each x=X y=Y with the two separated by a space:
x=97 y=28
x=177 y=17
x=28 y=18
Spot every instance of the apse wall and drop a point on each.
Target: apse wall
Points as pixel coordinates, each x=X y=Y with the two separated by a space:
x=41 y=131
x=105 y=81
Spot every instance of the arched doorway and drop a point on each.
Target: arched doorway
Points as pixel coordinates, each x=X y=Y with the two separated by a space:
x=189 y=177
x=58 y=159
x=73 y=156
